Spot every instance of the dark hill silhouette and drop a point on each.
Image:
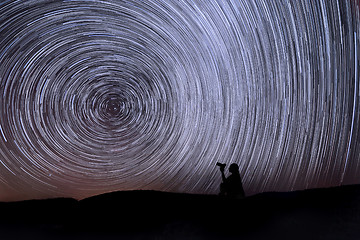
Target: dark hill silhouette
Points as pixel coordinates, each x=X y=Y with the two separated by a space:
x=332 y=213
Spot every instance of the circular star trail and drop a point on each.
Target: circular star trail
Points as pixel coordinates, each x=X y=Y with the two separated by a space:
x=108 y=95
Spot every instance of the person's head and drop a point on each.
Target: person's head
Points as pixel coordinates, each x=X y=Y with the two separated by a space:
x=234 y=168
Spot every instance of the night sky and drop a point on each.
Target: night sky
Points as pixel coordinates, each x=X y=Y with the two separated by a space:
x=107 y=95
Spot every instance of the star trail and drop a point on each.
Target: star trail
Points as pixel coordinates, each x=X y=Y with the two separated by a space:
x=106 y=95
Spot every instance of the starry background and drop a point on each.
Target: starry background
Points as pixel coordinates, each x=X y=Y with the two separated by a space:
x=107 y=95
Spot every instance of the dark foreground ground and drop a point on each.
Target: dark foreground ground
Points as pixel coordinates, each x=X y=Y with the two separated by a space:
x=332 y=213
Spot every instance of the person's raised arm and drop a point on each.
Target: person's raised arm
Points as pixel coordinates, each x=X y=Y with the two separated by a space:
x=222 y=168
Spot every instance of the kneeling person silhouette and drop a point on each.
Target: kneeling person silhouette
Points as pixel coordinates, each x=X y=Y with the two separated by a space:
x=232 y=185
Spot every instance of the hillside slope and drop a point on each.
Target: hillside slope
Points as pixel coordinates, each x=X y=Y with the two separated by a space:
x=332 y=213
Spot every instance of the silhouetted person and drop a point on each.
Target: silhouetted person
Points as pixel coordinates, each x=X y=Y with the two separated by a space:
x=232 y=185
